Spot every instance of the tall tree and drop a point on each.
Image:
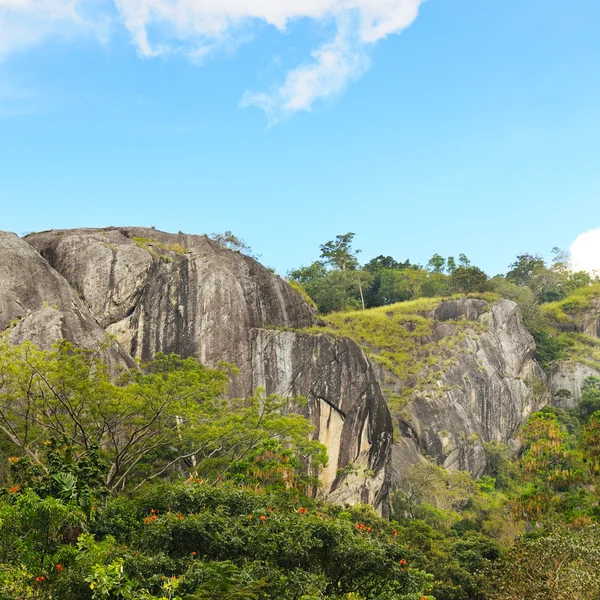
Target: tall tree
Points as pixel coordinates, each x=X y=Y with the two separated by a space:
x=169 y=416
x=339 y=253
x=436 y=263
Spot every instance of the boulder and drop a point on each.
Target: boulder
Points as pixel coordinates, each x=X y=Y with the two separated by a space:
x=38 y=304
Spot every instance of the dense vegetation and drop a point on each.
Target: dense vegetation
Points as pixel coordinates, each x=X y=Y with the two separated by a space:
x=551 y=296
x=81 y=516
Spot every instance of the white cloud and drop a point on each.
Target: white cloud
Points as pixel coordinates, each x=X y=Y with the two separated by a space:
x=334 y=66
x=198 y=27
x=24 y=23
x=585 y=252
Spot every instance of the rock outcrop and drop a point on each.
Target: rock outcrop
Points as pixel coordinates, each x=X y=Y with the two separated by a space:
x=159 y=292
x=345 y=405
x=38 y=304
x=568 y=376
x=473 y=379
x=488 y=390
x=457 y=373
x=589 y=323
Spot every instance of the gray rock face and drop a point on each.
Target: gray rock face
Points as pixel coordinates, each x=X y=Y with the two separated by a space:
x=589 y=323
x=158 y=292
x=569 y=376
x=581 y=320
x=39 y=305
x=345 y=406
x=489 y=388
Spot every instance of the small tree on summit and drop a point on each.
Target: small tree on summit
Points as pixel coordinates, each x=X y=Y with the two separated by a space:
x=339 y=254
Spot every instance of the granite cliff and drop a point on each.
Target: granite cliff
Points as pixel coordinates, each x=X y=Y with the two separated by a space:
x=159 y=292
x=457 y=374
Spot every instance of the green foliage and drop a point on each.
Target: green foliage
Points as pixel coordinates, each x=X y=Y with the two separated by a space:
x=590 y=398
x=153 y=422
x=548 y=348
x=232 y=242
x=562 y=565
x=198 y=541
x=524 y=268
x=468 y=279
x=339 y=253
x=379 y=263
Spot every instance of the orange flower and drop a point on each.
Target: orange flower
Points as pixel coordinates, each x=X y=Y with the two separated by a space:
x=395 y=532
x=250 y=517
x=40 y=579
x=303 y=510
x=13 y=459
x=59 y=568
x=263 y=518
x=193 y=554
x=153 y=517
x=14 y=488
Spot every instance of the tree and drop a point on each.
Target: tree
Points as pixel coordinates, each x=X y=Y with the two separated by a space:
x=308 y=275
x=377 y=264
x=590 y=398
x=339 y=254
x=436 y=263
x=591 y=441
x=562 y=565
x=463 y=260
x=466 y=279
x=165 y=418
x=550 y=464
x=398 y=286
x=232 y=242
x=450 y=264
x=524 y=267
x=338 y=290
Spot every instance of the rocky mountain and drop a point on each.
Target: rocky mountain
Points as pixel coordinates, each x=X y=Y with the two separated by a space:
x=385 y=387
x=158 y=292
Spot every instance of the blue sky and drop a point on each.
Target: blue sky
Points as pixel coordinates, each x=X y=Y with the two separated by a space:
x=473 y=127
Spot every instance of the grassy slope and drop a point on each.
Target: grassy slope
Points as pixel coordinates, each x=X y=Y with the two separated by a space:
x=398 y=337
x=577 y=347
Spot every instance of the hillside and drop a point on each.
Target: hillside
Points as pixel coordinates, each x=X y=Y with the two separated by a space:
x=178 y=422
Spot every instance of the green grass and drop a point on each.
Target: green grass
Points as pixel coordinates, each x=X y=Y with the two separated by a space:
x=575 y=346
x=567 y=310
x=581 y=348
x=398 y=337
x=300 y=289
x=155 y=247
